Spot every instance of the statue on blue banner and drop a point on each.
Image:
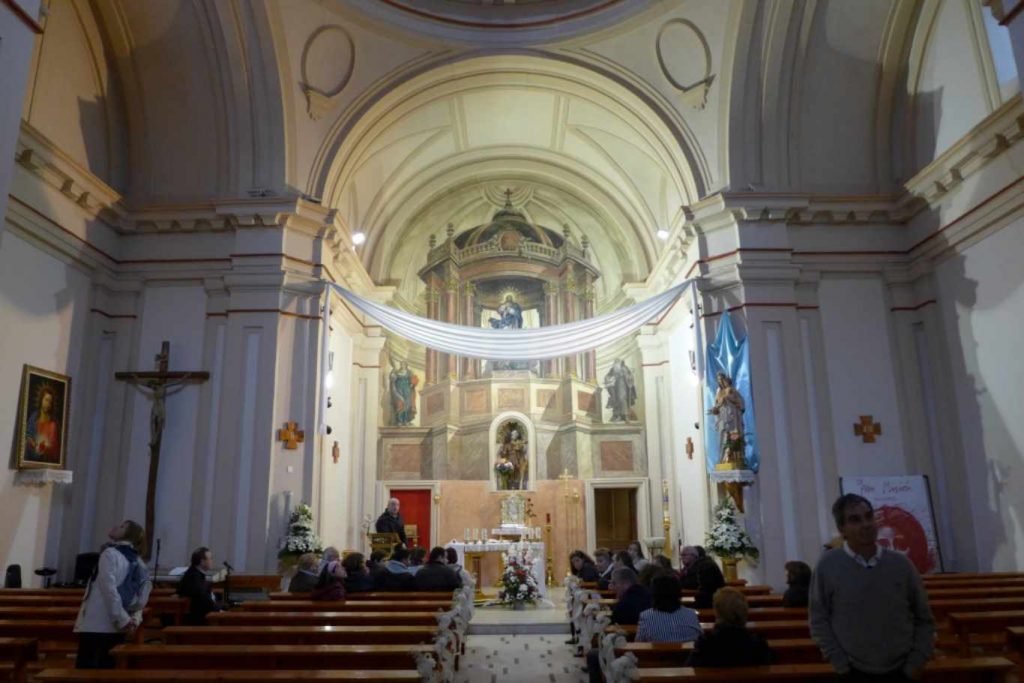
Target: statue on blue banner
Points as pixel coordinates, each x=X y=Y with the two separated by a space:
x=728 y=410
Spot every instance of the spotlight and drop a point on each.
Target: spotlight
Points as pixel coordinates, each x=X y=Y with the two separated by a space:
x=663 y=234
x=358 y=238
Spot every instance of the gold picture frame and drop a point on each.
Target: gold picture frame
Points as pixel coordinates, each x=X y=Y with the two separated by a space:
x=43 y=409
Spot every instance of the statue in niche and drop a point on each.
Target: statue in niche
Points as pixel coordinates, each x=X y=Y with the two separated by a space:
x=728 y=411
x=402 y=388
x=513 y=459
x=621 y=391
x=510 y=315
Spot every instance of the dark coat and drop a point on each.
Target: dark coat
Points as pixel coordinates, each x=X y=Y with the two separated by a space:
x=302 y=582
x=795 y=596
x=588 y=572
x=386 y=524
x=436 y=576
x=604 y=579
x=196 y=588
x=634 y=601
x=730 y=646
x=359 y=583
x=709 y=580
x=688 y=578
x=398 y=581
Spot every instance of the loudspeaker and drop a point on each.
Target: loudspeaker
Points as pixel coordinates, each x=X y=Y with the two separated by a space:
x=12 y=579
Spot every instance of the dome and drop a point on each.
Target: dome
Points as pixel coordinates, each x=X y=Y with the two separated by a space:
x=510 y=226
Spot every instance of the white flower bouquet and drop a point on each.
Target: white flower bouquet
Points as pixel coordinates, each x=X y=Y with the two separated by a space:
x=517 y=581
x=301 y=538
x=727 y=538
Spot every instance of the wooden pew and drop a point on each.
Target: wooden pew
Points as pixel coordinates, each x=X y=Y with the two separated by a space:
x=171 y=605
x=967 y=624
x=653 y=655
x=974 y=592
x=946 y=670
x=345 y=606
x=942 y=608
x=269 y=657
x=298 y=635
x=18 y=653
x=285 y=618
x=972 y=576
x=36 y=613
x=770 y=630
x=415 y=596
x=176 y=676
x=975 y=583
x=1015 y=641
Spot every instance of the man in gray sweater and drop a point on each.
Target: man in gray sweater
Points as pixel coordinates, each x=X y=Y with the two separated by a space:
x=868 y=608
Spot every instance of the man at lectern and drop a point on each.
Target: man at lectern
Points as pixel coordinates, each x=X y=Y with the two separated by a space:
x=390 y=522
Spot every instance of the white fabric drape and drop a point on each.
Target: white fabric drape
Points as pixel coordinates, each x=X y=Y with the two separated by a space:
x=532 y=344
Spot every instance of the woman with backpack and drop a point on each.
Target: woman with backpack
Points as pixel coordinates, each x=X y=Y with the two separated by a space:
x=117 y=592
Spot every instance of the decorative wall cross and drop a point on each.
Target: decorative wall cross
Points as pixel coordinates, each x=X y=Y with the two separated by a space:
x=158 y=385
x=291 y=435
x=867 y=429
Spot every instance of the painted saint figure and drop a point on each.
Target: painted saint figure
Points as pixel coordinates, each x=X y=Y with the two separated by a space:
x=43 y=434
x=402 y=383
x=621 y=390
x=511 y=315
x=728 y=411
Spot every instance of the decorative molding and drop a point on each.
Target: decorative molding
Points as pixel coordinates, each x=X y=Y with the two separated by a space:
x=321 y=97
x=696 y=92
x=41 y=477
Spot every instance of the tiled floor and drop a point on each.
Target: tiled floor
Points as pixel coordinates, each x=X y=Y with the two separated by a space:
x=527 y=658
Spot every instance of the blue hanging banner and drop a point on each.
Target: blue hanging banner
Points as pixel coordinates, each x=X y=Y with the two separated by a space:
x=731 y=357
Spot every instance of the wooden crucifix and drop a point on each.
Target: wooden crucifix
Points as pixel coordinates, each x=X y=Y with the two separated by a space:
x=158 y=385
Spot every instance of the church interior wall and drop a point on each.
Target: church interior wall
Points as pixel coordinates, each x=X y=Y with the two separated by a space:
x=45 y=309
x=19 y=46
x=861 y=373
x=981 y=298
x=74 y=98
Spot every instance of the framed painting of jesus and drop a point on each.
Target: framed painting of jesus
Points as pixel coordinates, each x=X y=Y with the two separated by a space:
x=42 y=418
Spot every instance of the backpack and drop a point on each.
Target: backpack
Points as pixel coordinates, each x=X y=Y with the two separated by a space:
x=130 y=589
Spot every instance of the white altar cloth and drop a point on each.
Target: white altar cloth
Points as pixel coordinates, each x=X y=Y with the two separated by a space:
x=500 y=547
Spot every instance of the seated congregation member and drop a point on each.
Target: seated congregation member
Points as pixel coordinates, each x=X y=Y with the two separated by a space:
x=357 y=577
x=663 y=562
x=417 y=556
x=650 y=572
x=623 y=560
x=331 y=583
x=377 y=558
x=667 y=621
x=730 y=643
x=636 y=553
x=306 y=577
x=436 y=575
x=798 y=581
x=688 y=558
x=631 y=600
x=603 y=562
x=631 y=597
x=195 y=586
x=582 y=567
x=709 y=580
x=452 y=558
x=395 y=576
x=104 y=619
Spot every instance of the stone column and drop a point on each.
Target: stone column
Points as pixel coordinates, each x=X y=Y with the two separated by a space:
x=451 y=315
x=570 y=315
x=470 y=366
x=363 y=435
x=589 y=357
x=433 y=298
x=550 y=318
x=656 y=373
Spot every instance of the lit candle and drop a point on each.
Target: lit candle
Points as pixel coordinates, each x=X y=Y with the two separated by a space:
x=465 y=535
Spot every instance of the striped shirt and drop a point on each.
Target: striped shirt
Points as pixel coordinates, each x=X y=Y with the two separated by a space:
x=656 y=626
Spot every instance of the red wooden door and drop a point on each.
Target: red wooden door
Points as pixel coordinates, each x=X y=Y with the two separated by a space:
x=415 y=509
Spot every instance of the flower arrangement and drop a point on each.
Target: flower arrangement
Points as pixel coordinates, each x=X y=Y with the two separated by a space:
x=518 y=584
x=727 y=539
x=504 y=469
x=301 y=538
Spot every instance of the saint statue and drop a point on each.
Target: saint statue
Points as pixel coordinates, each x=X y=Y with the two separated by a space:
x=402 y=387
x=728 y=411
x=621 y=390
x=513 y=461
x=510 y=315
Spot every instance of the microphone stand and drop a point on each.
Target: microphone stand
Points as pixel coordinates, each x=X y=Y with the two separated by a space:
x=227 y=585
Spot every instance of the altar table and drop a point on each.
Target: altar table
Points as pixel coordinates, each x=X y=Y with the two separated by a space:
x=537 y=547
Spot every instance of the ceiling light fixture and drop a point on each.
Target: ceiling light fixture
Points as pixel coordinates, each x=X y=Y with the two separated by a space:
x=358 y=238
x=663 y=234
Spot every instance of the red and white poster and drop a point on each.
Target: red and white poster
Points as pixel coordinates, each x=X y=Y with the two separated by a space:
x=903 y=510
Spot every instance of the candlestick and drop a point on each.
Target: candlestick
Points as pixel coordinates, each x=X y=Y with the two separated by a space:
x=465 y=535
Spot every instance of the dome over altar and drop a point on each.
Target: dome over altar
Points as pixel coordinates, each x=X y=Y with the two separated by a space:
x=509 y=225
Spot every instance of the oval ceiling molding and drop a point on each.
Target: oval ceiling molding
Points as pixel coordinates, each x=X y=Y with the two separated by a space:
x=685 y=59
x=327 y=62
